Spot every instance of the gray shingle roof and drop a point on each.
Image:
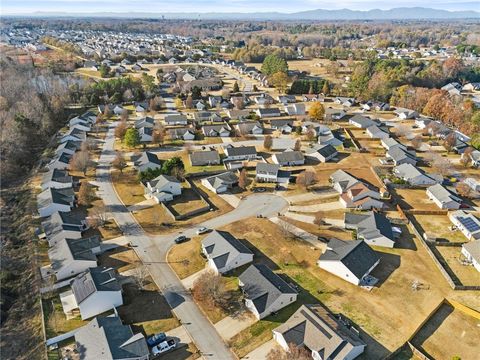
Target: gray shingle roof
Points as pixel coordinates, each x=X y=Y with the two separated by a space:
x=369 y=224
x=57 y=175
x=240 y=150
x=62 y=221
x=93 y=280
x=63 y=252
x=345 y=180
x=221 y=246
x=263 y=286
x=146 y=158
x=267 y=169
x=289 y=156
x=55 y=196
x=356 y=255
x=199 y=158
x=442 y=194
x=224 y=179
x=107 y=338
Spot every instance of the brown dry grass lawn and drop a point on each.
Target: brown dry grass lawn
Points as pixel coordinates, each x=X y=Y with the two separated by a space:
x=415 y=199
x=439 y=227
x=121 y=258
x=450 y=333
x=467 y=274
x=127 y=186
x=185 y=258
x=188 y=201
x=381 y=313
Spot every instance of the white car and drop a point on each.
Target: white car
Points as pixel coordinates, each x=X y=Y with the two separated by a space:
x=164 y=346
x=202 y=230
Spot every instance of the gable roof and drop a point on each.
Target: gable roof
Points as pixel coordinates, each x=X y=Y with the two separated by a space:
x=473 y=248
x=204 y=157
x=263 y=287
x=93 y=280
x=59 y=221
x=63 y=252
x=442 y=194
x=344 y=179
x=162 y=180
x=369 y=224
x=240 y=150
x=267 y=169
x=57 y=175
x=289 y=156
x=146 y=158
x=55 y=196
x=222 y=247
x=224 y=179
x=314 y=327
x=356 y=255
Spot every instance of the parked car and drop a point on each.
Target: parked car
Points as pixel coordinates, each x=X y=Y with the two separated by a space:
x=156 y=339
x=202 y=230
x=164 y=347
x=180 y=239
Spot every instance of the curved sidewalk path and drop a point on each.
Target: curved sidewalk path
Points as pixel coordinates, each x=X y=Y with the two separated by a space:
x=152 y=251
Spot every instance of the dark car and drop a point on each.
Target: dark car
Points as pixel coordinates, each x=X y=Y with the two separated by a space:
x=180 y=239
x=156 y=339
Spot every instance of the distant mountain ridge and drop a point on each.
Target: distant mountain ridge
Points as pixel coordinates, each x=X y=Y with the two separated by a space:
x=401 y=13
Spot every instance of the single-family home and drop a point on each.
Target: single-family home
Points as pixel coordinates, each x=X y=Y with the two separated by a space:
x=289 y=158
x=345 y=101
x=222 y=130
x=70 y=257
x=271 y=173
x=372 y=227
x=471 y=251
x=207 y=116
x=224 y=252
x=220 y=183
x=361 y=196
x=240 y=152
x=146 y=134
x=400 y=155
x=295 y=109
x=268 y=113
x=265 y=292
x=234 y=114
x=186 y=134
x=389 y=143
x=310 y=97
x=467 y=223
x=317 y=330
x=91 y=293
x=80 y=124
x=474 y=157
x=145 y=122
x=57 y=179
x=351 y=260
x=286 y=99
x=141 y=107
x=444 y=198
x=249 y=127
x=405 y=113
x=74 y=135
x=422 y=122
x=61 y=161
x=414 y=176
x=69 y=223
x=329 y=137
x=334 y=114
x=52 y=200
x=203 y=158
x=283 y=125
x=361 y=121
x=147 y=160
x=323 y=153
x=107 y=338
x=68 y=147
x=342 y=181
x=474 y=86
x=175 y=119
x=474 y=184
x=376 y=132
x=163 y=188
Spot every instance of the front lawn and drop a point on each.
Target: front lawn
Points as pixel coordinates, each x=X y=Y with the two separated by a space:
x=185 y=258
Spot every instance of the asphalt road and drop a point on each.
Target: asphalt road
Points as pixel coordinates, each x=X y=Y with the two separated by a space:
x=153 y=250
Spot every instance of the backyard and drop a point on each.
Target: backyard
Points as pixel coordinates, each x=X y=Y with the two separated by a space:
x=438 y=226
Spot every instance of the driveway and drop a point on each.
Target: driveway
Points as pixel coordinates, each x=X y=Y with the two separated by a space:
x=231 y=326
x=261 y=352
x=188 y=281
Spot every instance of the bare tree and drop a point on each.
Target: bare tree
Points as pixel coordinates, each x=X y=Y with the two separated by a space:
x=442 y=165
x=243 y=179
x=465 y=190
x=294 y=353
x=287 y=230
x=268 y=142
x=417 y=142
x=140 y=275
x=124 y=115
x=119 y=162
x=298 y=145
x=80 y=161
x=121 y=130
x=86 y=194
x=98 y=216
x=319 y=218
x=238 y=102
x=211 y=289
x=310 y=135
x=403 y=130
x=450 y=141
x=466 y=158
x=158 y=134
x=188 y=147
x=306 y=178
x=179 y=173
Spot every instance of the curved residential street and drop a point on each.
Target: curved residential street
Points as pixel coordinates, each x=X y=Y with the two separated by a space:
x=152 y=251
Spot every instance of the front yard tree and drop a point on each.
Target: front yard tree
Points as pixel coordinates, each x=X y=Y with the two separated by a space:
x=80 y=161
x=170 y=164
x=98 y=216
x=268 y=142
x=107 y=112
x=158 y=135
x=280 y=81
x=189 y=102
x=119 y=162
x=86 y=194
x=132 y=138
x=298 y=145
x=306 y=178
x=243 y=179
x=273 y=64
x=210 y=288
x=120 y=130
x=450 y=141
x=316 y=111
x=417 y=142
x=124 y=115
x=464 y=190
x=236 y=88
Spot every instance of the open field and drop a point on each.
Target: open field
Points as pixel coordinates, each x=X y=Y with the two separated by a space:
x=121 y=258
x=449 y=333
x=467 y=274
x=380 y=313
x=439 y=227
x=185 y=258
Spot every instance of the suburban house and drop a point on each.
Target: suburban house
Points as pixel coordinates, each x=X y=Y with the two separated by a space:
x=289 y=158
x=329 y=137
x=351 y=260
x=286 y=99
x=361 y=121
x=91 y=293
x=238 y=114
x=69 y=225
x=265 y=292
x=271 y=173
x=222 y=130
x=147 y=160
x=334 y=114
x=376 y=132
x=240 y=152
x=422 y=122
x=444 y=198
x=342 y=181
x=176 y=119
x=378 y=106
x=68 y=147
x=249 y=127
x=80 y=124
x=372 y=227
x=267 y=113
x=283 y=125
x=52 y=200
x=107 y=338
x=141 y=107
x=361 y=196
x=310 y=97
x=61 y=161
x=146 y=134
x=220 y=183
x=323 y=153
x=345 y=101
x=145 y=122
x=74 y=135
x=389 y=143
x=415 y=176
x=473 y=184
x=471 y=251
x=186 y=134
x=400 y=155
x=203 y=158
x=474 y=157
x=56 y=178
x=295 y=109
x=70 y=257
x=207 y=116
x=467 y=223
x=405 y=113
x=314 y=328
x=225 y=252
x=163 y=188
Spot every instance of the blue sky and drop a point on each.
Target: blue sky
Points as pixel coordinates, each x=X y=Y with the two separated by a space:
x=161 y=6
